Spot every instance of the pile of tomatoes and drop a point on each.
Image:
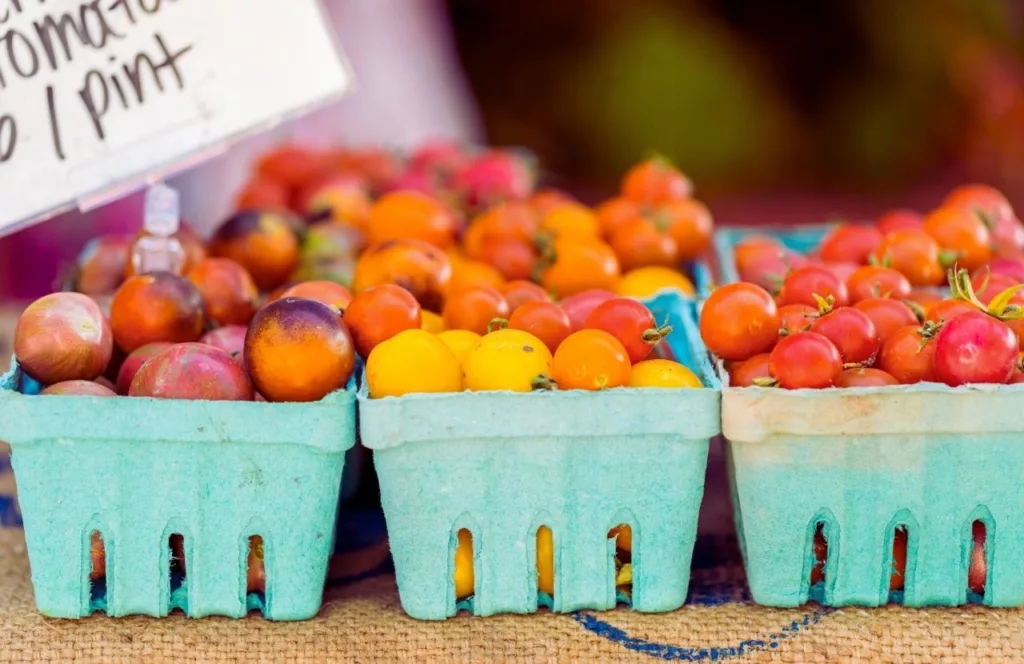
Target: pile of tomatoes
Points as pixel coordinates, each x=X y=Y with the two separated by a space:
x=865 y=308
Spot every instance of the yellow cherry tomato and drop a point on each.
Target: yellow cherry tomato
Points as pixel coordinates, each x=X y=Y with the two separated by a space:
x=412 y=361
x=647 y=281
x=464 y=580
x=623 y=536
x=662 y=373
x=431 y=322
x=506 y=360
x=460 y=341
x=545 y=561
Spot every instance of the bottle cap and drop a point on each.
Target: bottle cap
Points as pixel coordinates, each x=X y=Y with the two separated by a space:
x=162 y=212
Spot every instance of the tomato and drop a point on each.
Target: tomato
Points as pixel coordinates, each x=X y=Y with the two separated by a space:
x=640 y=243
x=899 y=219
x=572 y=220
x=431 y=322
x=520 y=291
x=948 y=310
x=410 y=215
x=843 y=271
x=753 y=248
x=472 y=274
x=802 y=284
x=473 y=309
x=631 y=323
x=262 y=193
x=769 y=271
x=614 y=213
x=655 y=181
x=648 y=281
x=739 y=321
x=464 y=577
x=662 y=373
x=418 y=267
x=512 y=220
x=413 y=361
x=492 y=177
x=886 y=315
x=877 y=281
x=334 y=295
x=981 y=199
x=514 y=259
x=807 y=360
x=590 y=360
x=579 y=306
x=380 y=167
x=343 y=199
x=547 y=199
x=292 y=165
x=459 y=341
x=925 y=298
x=794 y=318
x=689 y=223
x=508 y=360
x=865 y=377
x=580 y=266
x=1011 y=267
x=545 y=320
x=439 y=156
x=745 y=373
x=962 y=233
x=545 y=561
x=379 y=313
x=975 y=348
x=977 y=572
x=987 y=286
x=851 y=332
x=913 y=252
x=908 y=357
x=850 y=242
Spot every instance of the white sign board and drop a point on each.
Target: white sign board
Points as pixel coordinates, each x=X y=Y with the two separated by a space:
x=96 y=96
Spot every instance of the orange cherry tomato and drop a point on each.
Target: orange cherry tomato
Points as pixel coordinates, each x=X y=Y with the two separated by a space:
x=580 y=266
x=473 y=309
x=865 y=377
x=418 y=267
x=754 y=248
x=615 y=212
x=511 y=220
x=410 y=215
x=908 y=357
x=946 y=310
x=292 y=165
x=739 y=321
x=519 y=291
x=924 y=297
x=641 y=243
x=915 y=254
x=332 y=294
x=887 y=315
x=961 y=232
x=980 y=198
x=545 y=320
x=852 y=243
x=743 y=374
x=572 y=220
x=379 y=313
x=469 y=274
x=590 y=360
x=690 y=224
x=546 y=200
x=877 y=281
x=514 y=259
x=796 y=318
x=655 y=181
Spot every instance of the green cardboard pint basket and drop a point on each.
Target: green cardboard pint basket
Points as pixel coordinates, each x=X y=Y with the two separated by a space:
x=502 y=465
x=139 y=470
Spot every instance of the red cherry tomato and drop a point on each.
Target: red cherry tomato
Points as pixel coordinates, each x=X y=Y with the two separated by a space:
x=739 y=321
x=851 y=332
x=1011 y=267
x=975 y=348
x=944 y=310
x=379 y=313
x=745 y=373
x=474 y=308
x=803 y=283
x=794 y=318
x=865 y=377
x=519 y=292
x=580 y=305
x=843 y=271
x=908 y=356
x=545 y=320
x=887 y=315
x=877 y=281
x=851 y=243
x=899 y=219
x=806 y=360
x=631 y=323
x=988 y=286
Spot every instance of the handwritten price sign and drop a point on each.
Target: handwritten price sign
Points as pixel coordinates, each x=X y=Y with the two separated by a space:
x=95 y=96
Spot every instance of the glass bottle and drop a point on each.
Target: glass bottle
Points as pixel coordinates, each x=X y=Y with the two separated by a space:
x=157 y=249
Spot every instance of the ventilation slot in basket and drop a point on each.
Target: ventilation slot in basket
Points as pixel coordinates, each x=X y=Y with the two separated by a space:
x=97 y=572
x=622 y=534
x=256 y=576
x=820 y=552
x=463 y=574
x=545 y=567
x=977 y=571
x=177 y=569
x=898 y=568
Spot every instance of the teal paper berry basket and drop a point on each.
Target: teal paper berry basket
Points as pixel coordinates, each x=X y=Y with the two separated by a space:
x=860 y=463
x=502 y=465
x=140 y=470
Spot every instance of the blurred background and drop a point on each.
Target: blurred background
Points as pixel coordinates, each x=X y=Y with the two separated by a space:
x=779 y=112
